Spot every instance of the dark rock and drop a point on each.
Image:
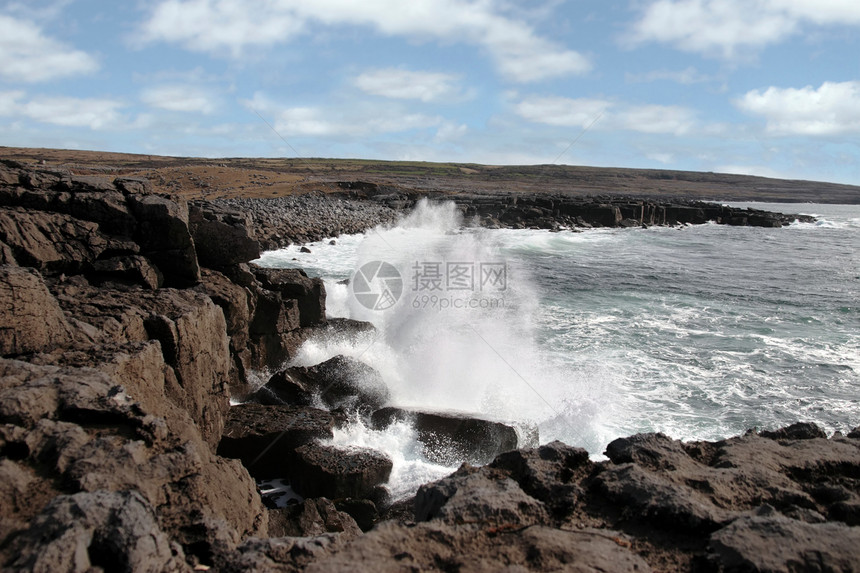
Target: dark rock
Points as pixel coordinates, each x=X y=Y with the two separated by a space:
x=265 y=437
x=304 y=250
x=549 y=473
x=31 y=320
x=363 y=511
x=133 y=269
x=798 y=431
x=311 y=518
x=282 y=554
x=295 y=284
x=451 y=438
x=165 y=238
x=341 y=382
x=777 y=544
x=222 y=236
x=329 y=471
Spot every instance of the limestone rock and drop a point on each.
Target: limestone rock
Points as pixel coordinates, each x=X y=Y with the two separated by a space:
x=450 y=437
x=266 y=437
x=333 y=472
x=31 y=320
x=222 y=236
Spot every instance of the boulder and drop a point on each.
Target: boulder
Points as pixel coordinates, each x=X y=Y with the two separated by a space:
x=222 y=236
x=798 y=431
x=478 y=496
x=334 y=472
x=265 y=437
x=451 y=438
x=340 y=382
x=31 y=320
x=295 y=284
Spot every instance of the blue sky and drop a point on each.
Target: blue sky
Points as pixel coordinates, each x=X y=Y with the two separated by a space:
x=766 y=87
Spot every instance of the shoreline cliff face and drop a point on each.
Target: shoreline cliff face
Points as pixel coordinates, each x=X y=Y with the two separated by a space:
x=128 y=321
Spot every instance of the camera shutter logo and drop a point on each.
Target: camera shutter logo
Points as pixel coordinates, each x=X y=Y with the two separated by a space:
x=377 y=285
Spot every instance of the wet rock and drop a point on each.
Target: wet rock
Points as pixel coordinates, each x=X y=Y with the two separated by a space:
x=451 y=438
x=222 y=236
x=333 y=472
x=31 y=320
x=777 y=544
x=341 y=382
x=266 y=437
x=311 y=518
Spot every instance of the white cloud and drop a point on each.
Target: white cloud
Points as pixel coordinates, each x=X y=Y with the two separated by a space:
x=30 y=56
x=354 y=121
x=562 y=111
x=404 y=84
x=450 y=131
x=584 y=112
x=728 y=27
x=832 y=109
x=182 y=98
x=95 y=114
x=231 y=26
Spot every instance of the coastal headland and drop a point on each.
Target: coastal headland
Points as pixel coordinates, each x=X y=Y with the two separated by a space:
x=132 y=319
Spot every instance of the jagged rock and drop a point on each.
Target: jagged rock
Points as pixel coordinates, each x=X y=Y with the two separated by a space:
x=265 y=437
x=311 y=518
x=549 y=473
x=31 y=320
x=295 y=284
x=450 y=438
x=164 y=237
x=134 y=269
x=51 y=241
x=798 y=431
x=333 y=472
x=363 y=511
x=114 y=531
x=341 y=382
x=222 y=236
x=478 y=496
x=775 y=544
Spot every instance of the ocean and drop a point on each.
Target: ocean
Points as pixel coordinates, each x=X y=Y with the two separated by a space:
x=699 y=332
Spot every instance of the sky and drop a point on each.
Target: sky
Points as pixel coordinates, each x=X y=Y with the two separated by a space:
x=763 y=87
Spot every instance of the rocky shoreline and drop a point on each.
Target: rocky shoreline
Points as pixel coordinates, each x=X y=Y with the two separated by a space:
x=130 y=320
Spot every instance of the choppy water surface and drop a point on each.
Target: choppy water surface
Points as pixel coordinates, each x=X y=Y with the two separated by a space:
x=700 y=332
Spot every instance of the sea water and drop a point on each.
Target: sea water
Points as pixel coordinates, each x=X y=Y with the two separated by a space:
x=699 y=332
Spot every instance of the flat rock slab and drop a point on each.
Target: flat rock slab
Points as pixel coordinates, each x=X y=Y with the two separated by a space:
x=265 y=437
x=451 y=438
x=333 y=472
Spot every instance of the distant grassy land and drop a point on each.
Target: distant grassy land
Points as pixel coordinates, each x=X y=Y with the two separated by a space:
x=272 y=177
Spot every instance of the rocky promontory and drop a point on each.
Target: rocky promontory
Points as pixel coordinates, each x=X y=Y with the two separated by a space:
x=131 y=320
